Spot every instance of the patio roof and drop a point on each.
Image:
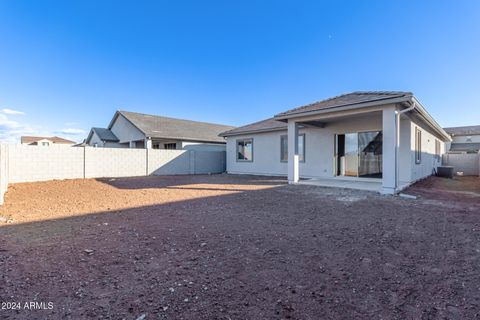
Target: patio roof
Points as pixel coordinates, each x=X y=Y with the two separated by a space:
x=349 y=99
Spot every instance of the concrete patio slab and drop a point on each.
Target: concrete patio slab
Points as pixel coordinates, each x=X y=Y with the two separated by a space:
x=374 y=185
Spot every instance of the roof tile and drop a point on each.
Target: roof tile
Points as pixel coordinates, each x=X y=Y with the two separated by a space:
x=463 y=131
x=345 y=100
x=171 y=128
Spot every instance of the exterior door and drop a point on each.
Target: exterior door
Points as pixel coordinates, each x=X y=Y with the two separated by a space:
x=359 y=154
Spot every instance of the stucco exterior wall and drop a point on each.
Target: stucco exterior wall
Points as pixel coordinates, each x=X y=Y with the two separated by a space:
x=95 y=139
x=429 y=160
x=320 y=144
x=405 y=153
x=191 y=145
x=266 y=155
x=319 y=151
x=125 y=131
x=409 y=170
x=463 y=139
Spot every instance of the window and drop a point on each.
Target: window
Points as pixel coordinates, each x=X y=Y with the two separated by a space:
x=156 y=145
x=45 y=143
x=469 y=138
x=437 y=150
x=418 y=146
x=284 y=148
x=245 y=150
x=170 y=146
x=301 y=147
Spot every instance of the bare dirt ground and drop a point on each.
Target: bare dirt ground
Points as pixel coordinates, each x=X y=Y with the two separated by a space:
x=239 y=247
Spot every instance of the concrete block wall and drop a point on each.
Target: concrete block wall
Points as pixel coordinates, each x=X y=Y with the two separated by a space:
x=22 y=163
x=166 y=162
x=468 y=163
x=114 y=162
x=209 y=162
x=171 y=162
x=3 y=171
x=38 y=163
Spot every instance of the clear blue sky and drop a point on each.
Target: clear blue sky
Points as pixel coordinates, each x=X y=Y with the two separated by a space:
x=68 y=65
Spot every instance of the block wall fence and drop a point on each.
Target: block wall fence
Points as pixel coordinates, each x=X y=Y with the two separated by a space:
x=468 y=163
x=21 y=163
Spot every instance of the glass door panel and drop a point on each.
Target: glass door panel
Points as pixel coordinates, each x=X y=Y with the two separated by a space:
x=370 y=154
x=351 y=155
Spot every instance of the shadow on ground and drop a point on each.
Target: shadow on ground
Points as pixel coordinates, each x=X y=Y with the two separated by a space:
x=182 y=181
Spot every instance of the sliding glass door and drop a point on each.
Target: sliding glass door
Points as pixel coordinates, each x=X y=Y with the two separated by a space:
x=359 y=154
x=370 y=154
x=351 y=155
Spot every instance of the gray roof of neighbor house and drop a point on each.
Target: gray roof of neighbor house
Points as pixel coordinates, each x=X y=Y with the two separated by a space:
x=265 y=125
x=348 y=99
x=475 y=147
x=463 y=131
x=55 y=139
x=170 y=128
x=105 y=134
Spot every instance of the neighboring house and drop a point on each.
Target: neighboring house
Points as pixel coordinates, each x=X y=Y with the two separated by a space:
x=101 y=137
x=138 y=130
x=386 y=137
x=464 y=139
x=45 y=141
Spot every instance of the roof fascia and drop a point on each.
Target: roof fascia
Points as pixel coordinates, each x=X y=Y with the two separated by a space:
x=251 y=131
x=185 y=139
x=89 y=137
x=429 y=119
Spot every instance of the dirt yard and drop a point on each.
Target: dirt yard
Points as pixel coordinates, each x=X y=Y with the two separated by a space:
x=231 y=247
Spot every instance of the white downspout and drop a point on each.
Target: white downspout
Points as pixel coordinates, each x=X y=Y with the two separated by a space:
x=397 y=143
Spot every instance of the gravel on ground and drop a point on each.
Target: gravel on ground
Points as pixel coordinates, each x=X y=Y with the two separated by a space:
x=238 y=247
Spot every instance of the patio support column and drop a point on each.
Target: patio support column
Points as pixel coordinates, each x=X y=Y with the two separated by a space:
x=148 y=143
x=389 y=150
x=293 y=159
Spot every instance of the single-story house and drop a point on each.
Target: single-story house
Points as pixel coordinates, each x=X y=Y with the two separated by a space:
x=45 y=141
x=138 y=130
x=386 y=137
x=464 y=139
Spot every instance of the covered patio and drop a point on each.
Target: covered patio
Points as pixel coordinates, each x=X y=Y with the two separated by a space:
x=380 y=141
x=368 y=165
x=368 y=184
